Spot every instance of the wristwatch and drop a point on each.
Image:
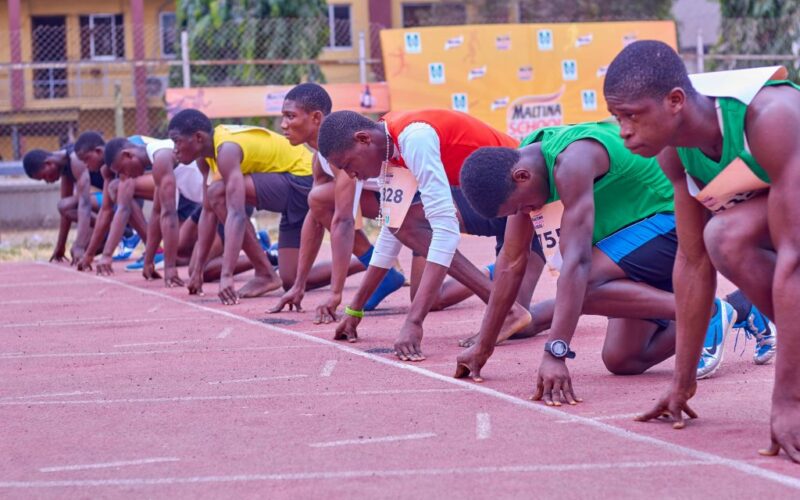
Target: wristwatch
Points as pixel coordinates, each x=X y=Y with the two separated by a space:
x=559 y=349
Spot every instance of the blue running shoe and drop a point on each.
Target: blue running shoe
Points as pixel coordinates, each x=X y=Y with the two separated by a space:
x=713 y=348
x=758 y=326
x=139 y=264
x=126 y=247
x=490 y=268
x=263 y=238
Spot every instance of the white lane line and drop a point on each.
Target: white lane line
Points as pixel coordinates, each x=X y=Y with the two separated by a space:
x=102 y=291
x=191 y=399
x=46 y=283
x=49 y=395
x=621 y=416
x=154 y=309
x=257 y=379
x=165 y=342
x=96 y=321
x=371 y=440
x=105 y=465
x=35 y=301
x=224 y=333
x=351 y=474
x=128 y=353
x=483 y=426
x=327 y=368
x=738 y=465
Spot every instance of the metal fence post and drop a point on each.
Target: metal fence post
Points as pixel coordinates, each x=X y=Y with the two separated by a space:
x=362 y=58
x=119 y=111
x=187 y=75
x=701 y=66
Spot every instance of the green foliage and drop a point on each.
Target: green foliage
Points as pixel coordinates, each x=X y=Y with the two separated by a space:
x=533 y=11
x=759 y=27
x=234 y=30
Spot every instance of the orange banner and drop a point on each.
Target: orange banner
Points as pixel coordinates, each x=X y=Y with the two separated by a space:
x=241 y=102
x=517 y=77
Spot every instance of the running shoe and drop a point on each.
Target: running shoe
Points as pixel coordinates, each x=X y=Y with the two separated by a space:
x=758 y=326
x=126 y=246
x=713 y=348
x=139 y=264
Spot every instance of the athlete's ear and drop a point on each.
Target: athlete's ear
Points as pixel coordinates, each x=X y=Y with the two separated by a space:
x=520 y=174
x=675 y=100
x=363 y=137
x=317 y=117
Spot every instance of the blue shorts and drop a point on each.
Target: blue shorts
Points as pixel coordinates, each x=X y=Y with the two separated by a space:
x=645 y=250
x=98 y=195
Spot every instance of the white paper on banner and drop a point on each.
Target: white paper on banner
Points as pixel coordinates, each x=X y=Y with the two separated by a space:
x=734 y=185
x=547 y=223
x=741 y=84
x=397 y=193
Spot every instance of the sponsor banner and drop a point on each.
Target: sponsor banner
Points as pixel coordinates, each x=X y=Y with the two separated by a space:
x=519 y=76
x=267 y=100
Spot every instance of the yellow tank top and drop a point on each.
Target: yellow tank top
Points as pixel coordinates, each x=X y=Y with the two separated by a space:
x=263 y=151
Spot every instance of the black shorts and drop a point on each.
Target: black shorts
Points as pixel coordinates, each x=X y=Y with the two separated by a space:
x=188 y=209
x=286 y=194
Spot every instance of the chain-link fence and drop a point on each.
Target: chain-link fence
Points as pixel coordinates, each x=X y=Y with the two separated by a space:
x=103 y=76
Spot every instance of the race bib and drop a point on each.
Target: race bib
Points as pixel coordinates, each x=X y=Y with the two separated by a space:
x=397 y=194
x=734 y=185
x=547 y=223
x=359 y=222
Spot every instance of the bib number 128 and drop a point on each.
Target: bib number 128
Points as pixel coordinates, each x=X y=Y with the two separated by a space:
x=392 y=195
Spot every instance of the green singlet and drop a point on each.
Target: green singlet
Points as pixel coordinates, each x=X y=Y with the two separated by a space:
x=734 y=144
x=634 y=187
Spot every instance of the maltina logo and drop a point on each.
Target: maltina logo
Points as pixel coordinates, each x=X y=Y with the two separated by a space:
x=532 y=112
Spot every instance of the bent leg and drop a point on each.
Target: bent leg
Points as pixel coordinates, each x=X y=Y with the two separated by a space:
x=634 y=345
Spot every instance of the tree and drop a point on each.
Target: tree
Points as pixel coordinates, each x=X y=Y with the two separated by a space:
x=235 y=30
x=759 y=27
x=537 y=11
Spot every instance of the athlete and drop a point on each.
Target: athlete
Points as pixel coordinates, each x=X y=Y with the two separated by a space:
x=728 y=144
x=251 y=166
x=605 y=220
x=177 y=197
x=331 y=206
x=417 y=151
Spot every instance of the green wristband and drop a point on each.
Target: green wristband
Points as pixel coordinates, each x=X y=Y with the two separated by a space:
x=353 y=312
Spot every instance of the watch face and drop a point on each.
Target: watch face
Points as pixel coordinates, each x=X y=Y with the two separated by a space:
x=558 y=348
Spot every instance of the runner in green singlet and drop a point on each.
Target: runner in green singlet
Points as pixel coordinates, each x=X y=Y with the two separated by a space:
x=735 y=136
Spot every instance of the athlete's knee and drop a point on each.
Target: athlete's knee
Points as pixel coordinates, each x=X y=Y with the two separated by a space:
x=216 y=194
x=320 y=200
x=620 y=364
x=725 y=243
x=65 y=205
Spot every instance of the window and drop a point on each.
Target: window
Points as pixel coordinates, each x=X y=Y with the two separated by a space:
x=167 y=25
x=102 y=37
x=430 y=14
x=341 y=36
x=49 y=42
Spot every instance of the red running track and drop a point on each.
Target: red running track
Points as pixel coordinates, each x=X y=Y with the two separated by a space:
x=148 y=392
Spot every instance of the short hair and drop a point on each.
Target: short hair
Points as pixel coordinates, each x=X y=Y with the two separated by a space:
x=646 y=68
x=486 y=178
x=337 y=129
x=33 y=161
x=190 y=121
x=113 y=148
x=311 y=97
x=88 y=141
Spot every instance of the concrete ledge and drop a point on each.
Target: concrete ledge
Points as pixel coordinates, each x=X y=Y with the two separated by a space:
x=28 y=204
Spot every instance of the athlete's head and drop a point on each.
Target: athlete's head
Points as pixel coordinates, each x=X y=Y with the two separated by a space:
x=124 y=157
x=192 y=132
x=304 y=107
x=646 y=87
x=499 y=181
x=89 y=150
x=41 y=165
x=353 y=143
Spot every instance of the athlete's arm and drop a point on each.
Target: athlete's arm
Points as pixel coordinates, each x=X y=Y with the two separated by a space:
x=772 y=124
x=695 y=282
x=164 y=176
x=343 y=228
x=311 y=236
x=206 y=230
x=508 y=274
x=125 y=189
x=229 y=159
x=575 y=170
x=67 y=189
x=102 y=222
x=83 y=192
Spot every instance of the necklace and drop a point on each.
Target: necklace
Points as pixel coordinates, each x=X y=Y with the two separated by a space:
x=382 y=216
